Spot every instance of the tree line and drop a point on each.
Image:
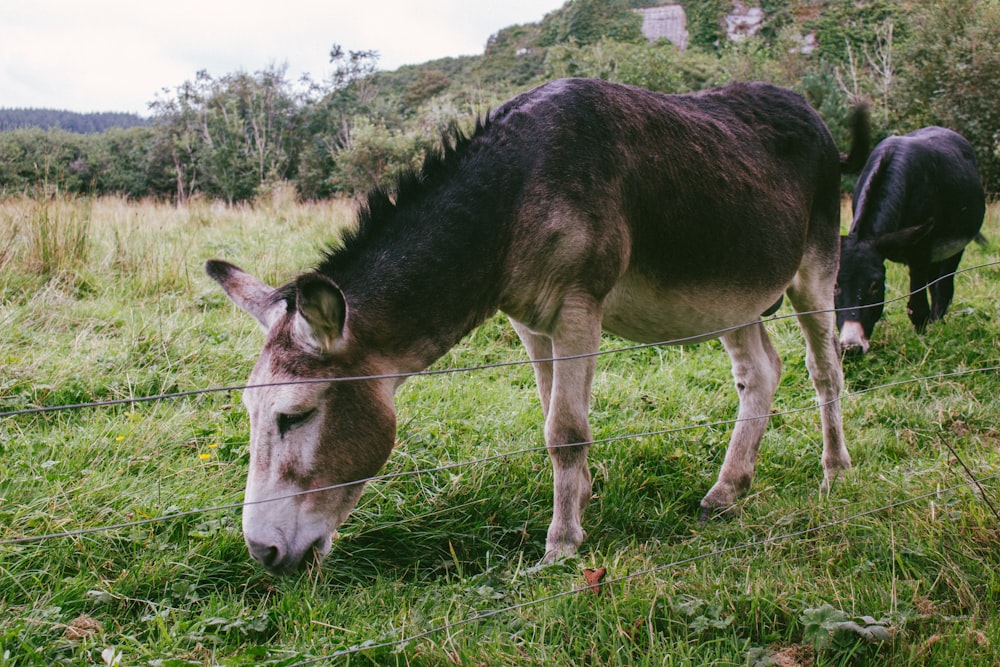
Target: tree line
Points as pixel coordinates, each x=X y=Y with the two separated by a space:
x=236 y=136
x=71 y=121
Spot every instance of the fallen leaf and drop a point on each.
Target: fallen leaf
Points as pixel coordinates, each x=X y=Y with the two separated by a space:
x=81 y=627
x=594 y=578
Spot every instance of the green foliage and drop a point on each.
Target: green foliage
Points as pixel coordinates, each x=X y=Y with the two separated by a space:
x=827 y=626
x=588 y=21
x=950 y=76
x=705 y=23
x=372 y=153
x=844 y=25
x=428 y=84
x=658 y=66
x=44 y=162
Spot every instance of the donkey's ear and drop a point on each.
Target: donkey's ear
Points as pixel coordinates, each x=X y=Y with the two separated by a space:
x=896 y=246
x=321 y=313
x=250 y=294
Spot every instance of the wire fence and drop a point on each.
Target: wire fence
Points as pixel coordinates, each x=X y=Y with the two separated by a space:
x=481 y=461
x=973 y=480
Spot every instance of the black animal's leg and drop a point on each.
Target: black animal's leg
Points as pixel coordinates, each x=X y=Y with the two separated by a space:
x=812 y=298
x=567 y=430
x=756 y=372
x=943 y=288
x=916 y=307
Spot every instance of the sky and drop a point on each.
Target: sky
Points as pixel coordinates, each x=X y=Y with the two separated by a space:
x=119 y=55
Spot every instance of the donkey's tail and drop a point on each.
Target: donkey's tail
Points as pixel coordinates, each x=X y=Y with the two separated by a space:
x=861 y=140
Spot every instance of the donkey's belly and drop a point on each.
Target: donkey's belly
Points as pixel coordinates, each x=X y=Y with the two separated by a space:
x=646 y=312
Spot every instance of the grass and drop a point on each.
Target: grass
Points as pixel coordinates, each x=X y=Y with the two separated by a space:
x=105 y=300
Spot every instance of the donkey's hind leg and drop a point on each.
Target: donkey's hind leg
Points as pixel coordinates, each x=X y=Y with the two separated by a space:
x=756 y=372
x=812 y=298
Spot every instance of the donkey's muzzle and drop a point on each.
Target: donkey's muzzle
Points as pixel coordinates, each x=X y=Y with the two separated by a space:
x=280 y=560
x=852 y=339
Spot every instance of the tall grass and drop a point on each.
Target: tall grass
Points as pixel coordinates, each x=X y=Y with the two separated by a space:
x=46 y=237
x=897 y=566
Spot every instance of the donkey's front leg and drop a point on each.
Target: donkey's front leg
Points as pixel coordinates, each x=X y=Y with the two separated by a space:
x=567 y=431
x=943 y=288
x=539 y=347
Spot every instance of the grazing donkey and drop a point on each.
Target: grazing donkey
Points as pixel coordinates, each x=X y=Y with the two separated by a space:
x=579 y=205
x=918 y=201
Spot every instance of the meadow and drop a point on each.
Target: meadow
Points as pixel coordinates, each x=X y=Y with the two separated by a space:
x=120 y=540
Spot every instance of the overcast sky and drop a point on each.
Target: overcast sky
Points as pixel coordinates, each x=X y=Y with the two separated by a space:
x=117 y=55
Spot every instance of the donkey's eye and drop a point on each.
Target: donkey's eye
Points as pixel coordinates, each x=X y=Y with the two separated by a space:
x=287 y=422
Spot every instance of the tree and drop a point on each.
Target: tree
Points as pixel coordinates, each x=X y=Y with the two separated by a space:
x=178 y=121
x=949 y=74
x=45 y=162
x=227 y=136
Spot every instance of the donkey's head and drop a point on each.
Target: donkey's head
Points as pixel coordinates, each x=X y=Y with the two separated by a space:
x=859 y=294
x=306 y=436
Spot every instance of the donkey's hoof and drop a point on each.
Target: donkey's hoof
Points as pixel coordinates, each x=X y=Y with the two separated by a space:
x=722 y=496
x=710 y=512
x=563 y=544
x=834 y=467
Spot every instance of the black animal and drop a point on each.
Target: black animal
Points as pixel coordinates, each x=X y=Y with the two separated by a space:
x=918 y=201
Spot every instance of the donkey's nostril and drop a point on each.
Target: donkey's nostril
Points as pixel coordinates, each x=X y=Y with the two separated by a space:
x=267 y=555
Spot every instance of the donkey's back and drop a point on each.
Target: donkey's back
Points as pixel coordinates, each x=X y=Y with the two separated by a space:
x=684 y=214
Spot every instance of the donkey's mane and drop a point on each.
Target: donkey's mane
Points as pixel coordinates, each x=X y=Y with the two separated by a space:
x=377 y=212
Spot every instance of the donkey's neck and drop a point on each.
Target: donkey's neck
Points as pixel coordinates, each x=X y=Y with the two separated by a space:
x=417 y=283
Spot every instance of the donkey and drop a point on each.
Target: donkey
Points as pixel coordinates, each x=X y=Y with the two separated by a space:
x=578 y=205
x=918 y=201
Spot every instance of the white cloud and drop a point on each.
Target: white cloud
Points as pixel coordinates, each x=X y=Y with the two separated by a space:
x=117 y=54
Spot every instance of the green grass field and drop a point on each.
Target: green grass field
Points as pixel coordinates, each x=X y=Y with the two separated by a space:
x=105 y=300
